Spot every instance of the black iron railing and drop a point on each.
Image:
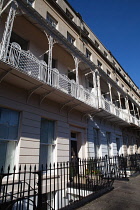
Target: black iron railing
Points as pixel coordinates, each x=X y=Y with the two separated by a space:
x=58 y=186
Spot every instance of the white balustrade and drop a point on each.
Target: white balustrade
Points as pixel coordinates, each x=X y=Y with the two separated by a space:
x=28 y=63
x=43 y=71
x=14 y=54
x=109 y=107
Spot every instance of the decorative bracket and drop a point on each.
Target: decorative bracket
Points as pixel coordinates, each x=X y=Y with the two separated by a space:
x=65 y=104
x=43 y=96
x=4 y=74
x=84 y=114
x=93 y=114
x=73 y=108
x=30 y=92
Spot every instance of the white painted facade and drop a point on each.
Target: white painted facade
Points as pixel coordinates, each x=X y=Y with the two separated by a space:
x=79 y=90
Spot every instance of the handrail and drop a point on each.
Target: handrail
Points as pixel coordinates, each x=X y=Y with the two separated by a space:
x=109 y=107
x=25 y=61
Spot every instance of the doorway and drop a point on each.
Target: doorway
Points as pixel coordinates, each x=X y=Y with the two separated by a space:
x=118 y=144
x=74 y=153
x=96 y=142
x=108 y=138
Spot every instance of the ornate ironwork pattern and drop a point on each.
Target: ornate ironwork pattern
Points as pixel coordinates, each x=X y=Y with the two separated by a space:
x=77 y=61
x=25 y=61
x=61 y=185
x=51 y=43
x=1 y=5
x=7 y=31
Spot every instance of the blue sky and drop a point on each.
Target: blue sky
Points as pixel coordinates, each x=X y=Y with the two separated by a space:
x=117 y=25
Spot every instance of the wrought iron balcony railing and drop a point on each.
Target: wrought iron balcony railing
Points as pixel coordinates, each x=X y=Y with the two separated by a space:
x=26 y=62
x=123 y=114
x=64 y=183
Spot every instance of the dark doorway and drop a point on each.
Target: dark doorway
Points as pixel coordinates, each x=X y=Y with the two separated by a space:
x=73 y=138
x=74 y=155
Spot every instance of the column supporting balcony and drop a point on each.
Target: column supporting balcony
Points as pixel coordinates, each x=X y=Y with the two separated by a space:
x=27 y=63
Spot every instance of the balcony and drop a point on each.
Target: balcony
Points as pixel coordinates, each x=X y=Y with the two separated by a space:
x=27 y=63
x=122 y=114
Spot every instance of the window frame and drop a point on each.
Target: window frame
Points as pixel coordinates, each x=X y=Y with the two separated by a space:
x=99 y=64
x=85 y=31
x=97 y=143
x=51 y=20
x=108 y=73
x=11 y=140
x=70 y=38
x=117 y=80
x=47 y=144
x=17 y=137
x=69 y=14
x=88 y=54
x=97 y=44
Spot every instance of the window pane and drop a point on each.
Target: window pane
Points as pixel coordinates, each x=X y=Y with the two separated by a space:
x=3 y=148
x=3 y=131
x=10 y=155
x=14 y=118
x=51 y=132
x=4 y=116
x=44 y=131
x=47 y=131
x=70 y=38
x=49 y=154
x=46 y=137
x=9 y=120
x=7 y=151
x=43 y=155
x=46 y=155
x=51 y=20
x=13 y=132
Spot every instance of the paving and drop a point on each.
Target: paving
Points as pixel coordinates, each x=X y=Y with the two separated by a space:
x=126 y=195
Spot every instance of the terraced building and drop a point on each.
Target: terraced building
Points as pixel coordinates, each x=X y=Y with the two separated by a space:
x=63 y=95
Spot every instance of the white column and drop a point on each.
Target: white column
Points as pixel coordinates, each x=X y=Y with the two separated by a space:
x=51 y=43
x=94 y=83
x=8 y=30
x=110 y=91
x=119 y=99
x=94 y=79
x=133 y=109
x=126 y=104
x=98 y=88
x=77 y=61
x=138 y=112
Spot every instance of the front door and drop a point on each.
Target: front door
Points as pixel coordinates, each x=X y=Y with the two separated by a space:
x=74 y=153
x=96 y=142
x=108 y=138
x=118 y=145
